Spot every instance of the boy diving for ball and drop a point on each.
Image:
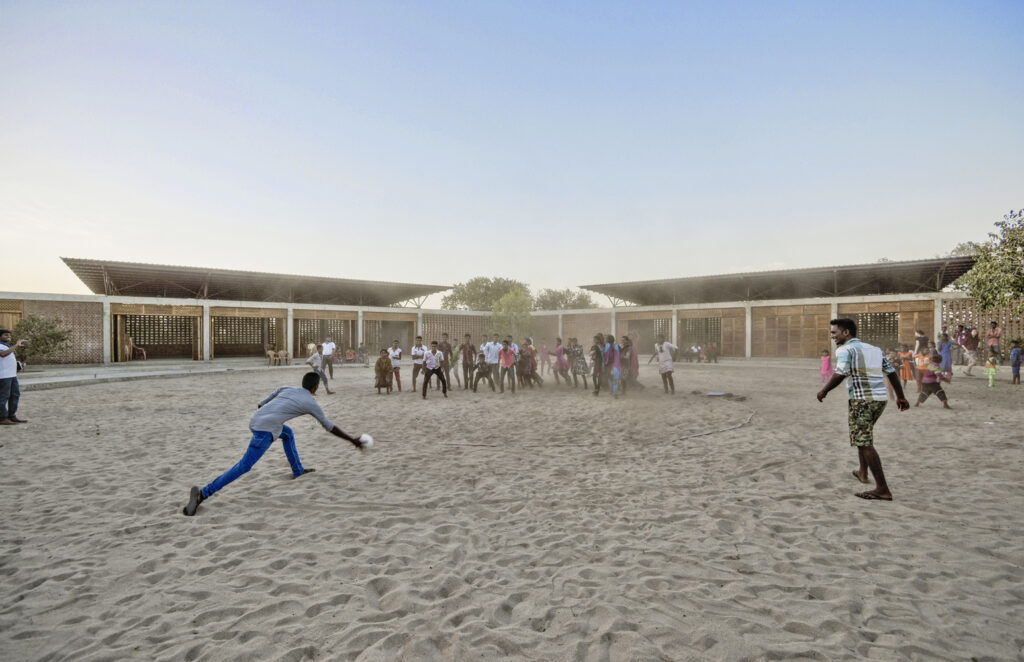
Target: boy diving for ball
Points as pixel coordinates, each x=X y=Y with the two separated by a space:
x=268 y=423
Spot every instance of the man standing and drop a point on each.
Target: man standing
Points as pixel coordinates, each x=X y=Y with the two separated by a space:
x=10 y=392
x=418 y=351
x=268 y=423
x=468 y=351
x=446 y=357
x=327 y=353
x=432 y=362
x=867 y=369
x=490 y=351
x=508 y=365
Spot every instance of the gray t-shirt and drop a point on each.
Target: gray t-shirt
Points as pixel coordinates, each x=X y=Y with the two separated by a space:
x=284 y=404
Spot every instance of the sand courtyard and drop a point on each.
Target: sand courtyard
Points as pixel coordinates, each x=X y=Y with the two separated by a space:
x=551 y=525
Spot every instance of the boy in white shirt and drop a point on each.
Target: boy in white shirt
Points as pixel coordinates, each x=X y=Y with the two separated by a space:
x=433 y=361
x=666 y=364
x=418 y=351
x=395 y=352
x=315 y=361
x=327 y=352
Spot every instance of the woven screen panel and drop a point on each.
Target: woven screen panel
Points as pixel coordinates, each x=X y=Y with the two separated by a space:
x=966 y=312
x=456 y=326
x=83 y=319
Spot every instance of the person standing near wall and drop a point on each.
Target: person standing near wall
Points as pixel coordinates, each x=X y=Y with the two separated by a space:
x=992 y=340
x=327 y=352
x=468 y=351
x=10 y=392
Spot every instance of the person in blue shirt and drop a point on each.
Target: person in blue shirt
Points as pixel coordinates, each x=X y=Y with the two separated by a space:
x=946 y=352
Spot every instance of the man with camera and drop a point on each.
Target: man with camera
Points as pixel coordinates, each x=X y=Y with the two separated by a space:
x=9 y=391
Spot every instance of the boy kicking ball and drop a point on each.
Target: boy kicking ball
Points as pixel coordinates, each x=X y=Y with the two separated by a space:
x=268 y=423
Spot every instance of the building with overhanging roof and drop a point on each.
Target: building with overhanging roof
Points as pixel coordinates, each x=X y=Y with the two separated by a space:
x=183 y=312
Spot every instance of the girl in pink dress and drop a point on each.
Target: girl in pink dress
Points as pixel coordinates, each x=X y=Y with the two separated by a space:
x=826 y=365
x=561 y=368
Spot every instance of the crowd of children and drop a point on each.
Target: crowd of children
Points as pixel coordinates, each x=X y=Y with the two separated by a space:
x=610 y=365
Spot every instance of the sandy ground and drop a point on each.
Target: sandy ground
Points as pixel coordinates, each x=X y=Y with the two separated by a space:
x=547 y=526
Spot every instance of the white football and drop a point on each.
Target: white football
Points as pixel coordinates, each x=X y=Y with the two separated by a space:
x=366 y=440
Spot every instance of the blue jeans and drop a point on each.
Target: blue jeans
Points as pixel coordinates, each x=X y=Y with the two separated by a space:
x=258 y=445
x=9 y=396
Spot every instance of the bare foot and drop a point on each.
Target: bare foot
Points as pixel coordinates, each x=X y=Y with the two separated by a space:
x=862 y=477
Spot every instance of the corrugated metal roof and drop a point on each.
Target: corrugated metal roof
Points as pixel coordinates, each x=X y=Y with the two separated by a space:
x=162 y=280
x=848 y=280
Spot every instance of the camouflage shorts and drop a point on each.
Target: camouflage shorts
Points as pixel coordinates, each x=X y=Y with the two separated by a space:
x=863 y=415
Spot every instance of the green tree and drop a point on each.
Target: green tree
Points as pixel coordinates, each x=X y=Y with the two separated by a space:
x=566 y=299
x=45 y=337
x=511 y=314
x=481 y=293
x=997 y=279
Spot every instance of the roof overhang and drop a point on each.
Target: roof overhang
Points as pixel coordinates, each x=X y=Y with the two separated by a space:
x=916 y=276
x=160 y=280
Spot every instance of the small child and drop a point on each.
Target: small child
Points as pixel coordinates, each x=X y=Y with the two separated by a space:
x=382 y=371
x=1015 y=360
x=483 y=371
x=906 y=365
x=931 y=381
x=990 y=370
x=826 y=366
x=921 y=361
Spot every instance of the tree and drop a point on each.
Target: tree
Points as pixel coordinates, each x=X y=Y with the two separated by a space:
x=511 y=314
x=566 y=299
x=481 y=293
x=964 y=248
x=45 y=336
x=997 y=279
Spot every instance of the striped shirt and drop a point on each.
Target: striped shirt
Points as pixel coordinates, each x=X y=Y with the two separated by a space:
x=865 y=368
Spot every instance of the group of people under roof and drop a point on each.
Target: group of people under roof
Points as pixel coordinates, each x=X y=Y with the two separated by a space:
x=609 y=365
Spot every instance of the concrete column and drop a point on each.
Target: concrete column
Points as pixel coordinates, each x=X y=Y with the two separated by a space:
x=675 y=326
x=359 y=329
x=108 y=341
x=614 y=330
x=290 y=331
x=419 y=323
x=937 y=321
x=207 y=335
x=833 y=313
x=748 y=334
x=560 y=325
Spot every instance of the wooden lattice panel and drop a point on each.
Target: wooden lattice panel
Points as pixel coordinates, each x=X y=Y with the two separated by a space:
x=456 y=326
x=12 y=306
x=83 y=319
x=965 y=311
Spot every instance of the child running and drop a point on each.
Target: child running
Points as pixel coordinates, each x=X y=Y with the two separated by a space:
x=990 y=369
x=315 y=361
x=561 y=367
x=931 y=381
x=579 y=363
x=268 y=423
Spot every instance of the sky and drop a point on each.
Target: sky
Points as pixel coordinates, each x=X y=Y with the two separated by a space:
x=559 y=144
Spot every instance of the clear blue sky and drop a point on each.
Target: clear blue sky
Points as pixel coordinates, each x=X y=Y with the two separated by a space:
x=556 y=143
